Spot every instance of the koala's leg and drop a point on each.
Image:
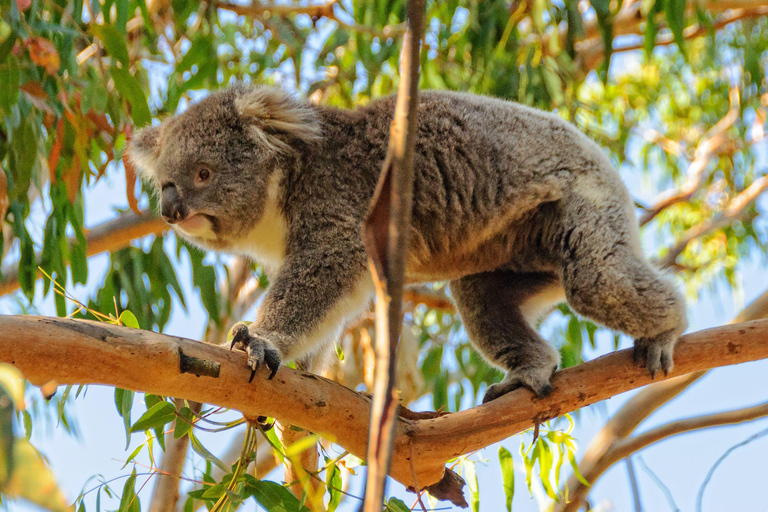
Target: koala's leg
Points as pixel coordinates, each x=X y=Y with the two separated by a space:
x=607 y=279
x=497 y=309
x=316 y=292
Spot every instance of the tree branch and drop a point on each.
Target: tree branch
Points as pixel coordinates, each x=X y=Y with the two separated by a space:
x=733 y=211
x=705 y=151
x=386 y=233
x=110 y=236
x=149 y=362
x=325 y=10
x=623 y=448
x=626 y=447
x=636 y=410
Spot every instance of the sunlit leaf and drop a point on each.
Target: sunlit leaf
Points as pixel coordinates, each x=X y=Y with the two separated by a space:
x=155 y=417
x=507 y=475
x=204 y=453
x=273 y=497
x=128 y=319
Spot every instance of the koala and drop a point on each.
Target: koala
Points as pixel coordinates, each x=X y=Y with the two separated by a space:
x=512 y=205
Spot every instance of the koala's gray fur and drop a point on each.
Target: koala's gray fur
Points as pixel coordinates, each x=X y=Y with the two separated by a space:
x=514 y=206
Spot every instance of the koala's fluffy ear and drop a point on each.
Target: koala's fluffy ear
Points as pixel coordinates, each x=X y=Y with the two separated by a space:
x=144 y=150
x=275 y=118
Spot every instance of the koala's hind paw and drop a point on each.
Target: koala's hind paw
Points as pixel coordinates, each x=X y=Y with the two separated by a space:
x=257 y=346
x=656 y=352
x=535 y=379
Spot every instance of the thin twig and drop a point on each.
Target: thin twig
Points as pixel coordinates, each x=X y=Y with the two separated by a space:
x=711 y=472
x=659 y=483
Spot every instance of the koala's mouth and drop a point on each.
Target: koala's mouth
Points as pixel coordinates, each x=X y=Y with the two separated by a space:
x=200 y=225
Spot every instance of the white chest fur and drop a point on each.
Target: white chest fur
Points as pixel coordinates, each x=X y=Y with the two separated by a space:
x=265 y=243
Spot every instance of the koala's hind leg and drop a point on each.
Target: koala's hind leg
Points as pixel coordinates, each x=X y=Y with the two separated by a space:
x=497 y=309
x=607 y=279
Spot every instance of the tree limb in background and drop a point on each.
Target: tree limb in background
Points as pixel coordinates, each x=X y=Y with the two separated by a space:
x=110 y=236
x=631 y=19
x=734 y=211
x=709 y=147
x=314 y=11
x=169 y=366
x=386 y=234
x=637 y=409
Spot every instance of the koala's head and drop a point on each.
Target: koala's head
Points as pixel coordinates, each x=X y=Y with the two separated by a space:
x=211 y=165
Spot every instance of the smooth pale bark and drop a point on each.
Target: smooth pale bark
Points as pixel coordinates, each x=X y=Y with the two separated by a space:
x=83 y=352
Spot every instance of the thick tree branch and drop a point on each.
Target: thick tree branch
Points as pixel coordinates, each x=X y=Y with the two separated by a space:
x=149 y=362
x=110 y=236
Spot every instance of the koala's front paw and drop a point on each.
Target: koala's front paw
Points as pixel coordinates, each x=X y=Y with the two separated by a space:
x=534 y=378
x=656 y=351
x=258 y=347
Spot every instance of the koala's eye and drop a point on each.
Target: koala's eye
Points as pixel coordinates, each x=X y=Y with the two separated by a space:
x=203 y=174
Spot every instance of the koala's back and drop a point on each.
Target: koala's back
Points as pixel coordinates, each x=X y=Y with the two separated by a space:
x=491 y=179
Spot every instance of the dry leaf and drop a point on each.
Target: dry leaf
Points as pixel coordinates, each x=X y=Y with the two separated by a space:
x=130 y=175
x=72 y=178
x=53 y=156
x=23 y=5
x=43 y=53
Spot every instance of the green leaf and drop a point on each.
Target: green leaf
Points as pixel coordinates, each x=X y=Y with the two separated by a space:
x=507 y=475
x=204 y=453
x=129 y=501
x=605 y=22
x=183 y=422
x=131 y=90
x=545 y=467
x=273 y=497
x=124 y=403
x=6 y=436
x=33 y=480
x=474 y=487
x=333 y=484
x=675 y=11
x=133 y=455
x=156 y=417
x=9 y=82
x=114 y=42
x=395 y=505
x=575 y=467
x=128 y=319
x=200 y=52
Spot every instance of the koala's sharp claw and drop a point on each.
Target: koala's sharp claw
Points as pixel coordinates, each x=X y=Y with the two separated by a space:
x=272 y=359
x=253 y=374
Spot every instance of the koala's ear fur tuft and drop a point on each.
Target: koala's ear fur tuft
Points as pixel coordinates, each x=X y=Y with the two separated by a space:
x=144 y=150
x=275 y=118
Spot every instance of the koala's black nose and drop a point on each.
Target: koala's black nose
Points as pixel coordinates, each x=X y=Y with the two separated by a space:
x=171 y=206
